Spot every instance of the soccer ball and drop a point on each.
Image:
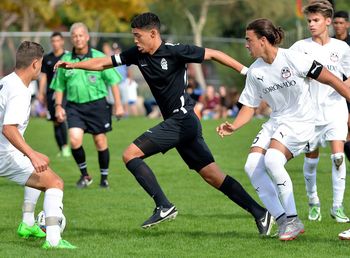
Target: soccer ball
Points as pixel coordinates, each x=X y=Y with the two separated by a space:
x=40 y=220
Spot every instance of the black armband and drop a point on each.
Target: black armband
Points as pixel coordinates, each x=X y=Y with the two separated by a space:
x=114 y=62
x=315 y=70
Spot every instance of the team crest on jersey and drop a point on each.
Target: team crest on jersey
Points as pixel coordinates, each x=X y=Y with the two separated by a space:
x=334 y=57
x=92 y=78
x=285 y=72
x=164 y=64
x=1 y=86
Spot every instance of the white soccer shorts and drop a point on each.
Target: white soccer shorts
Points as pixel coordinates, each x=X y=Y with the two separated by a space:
x=335 y=130
x=294 y=136
x=16 y=167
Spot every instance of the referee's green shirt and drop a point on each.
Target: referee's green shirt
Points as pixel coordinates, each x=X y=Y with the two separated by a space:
x=81 y=86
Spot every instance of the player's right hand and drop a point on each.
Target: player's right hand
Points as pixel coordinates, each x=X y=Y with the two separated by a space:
x=40 y=161
x=60 y=114
x=225 y=129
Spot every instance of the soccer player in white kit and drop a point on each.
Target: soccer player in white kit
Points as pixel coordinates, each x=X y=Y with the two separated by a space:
x=281 y=78
x=18 y=161
x=332 y=112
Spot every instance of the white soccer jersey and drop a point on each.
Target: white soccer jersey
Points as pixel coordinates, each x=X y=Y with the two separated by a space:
x=14 y=107
x=283 y=84
x=335 y=56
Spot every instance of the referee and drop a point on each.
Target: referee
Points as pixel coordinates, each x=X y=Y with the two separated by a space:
x=163 y=65
x=87 y=110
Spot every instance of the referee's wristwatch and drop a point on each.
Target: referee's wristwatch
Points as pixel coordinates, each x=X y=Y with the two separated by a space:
x=57 y=104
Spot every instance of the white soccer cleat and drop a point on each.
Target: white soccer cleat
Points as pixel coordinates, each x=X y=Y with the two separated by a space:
x=345 y=235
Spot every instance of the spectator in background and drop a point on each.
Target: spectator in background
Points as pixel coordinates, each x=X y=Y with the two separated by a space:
x=131 y=107
x=195 y=91
x=210 y=103
x=232 y=104
x=46 y=95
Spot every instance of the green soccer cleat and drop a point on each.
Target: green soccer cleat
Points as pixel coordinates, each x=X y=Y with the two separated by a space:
x=315 y=212
x=26 y=231
x=62 y=244
x=338 y=214
x=66 y=152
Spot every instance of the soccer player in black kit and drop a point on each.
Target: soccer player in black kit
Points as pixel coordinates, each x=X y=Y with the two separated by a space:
x=163 y=66
x=47 y=95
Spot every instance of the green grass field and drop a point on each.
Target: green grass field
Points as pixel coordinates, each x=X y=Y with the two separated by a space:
x=106 y=223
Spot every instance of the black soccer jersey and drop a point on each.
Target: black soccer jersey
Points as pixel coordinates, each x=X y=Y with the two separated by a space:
x=165 y=73
x=49 y=62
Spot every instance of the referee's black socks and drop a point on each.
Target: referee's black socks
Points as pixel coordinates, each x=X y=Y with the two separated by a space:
x=79 y=157
x=103 y=161
x=236 y=193
x=148 y=181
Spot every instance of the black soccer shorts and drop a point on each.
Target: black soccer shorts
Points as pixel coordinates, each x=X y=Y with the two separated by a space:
x=180 y=131
x=93 y=117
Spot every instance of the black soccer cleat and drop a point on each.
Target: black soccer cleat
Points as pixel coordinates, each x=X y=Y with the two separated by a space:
x=84 y=181
x=265 y=224
x=160 y=214
x=104 y=184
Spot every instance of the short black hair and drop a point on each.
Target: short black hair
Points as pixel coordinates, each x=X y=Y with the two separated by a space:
x=55 y=34
x=342 y=14
x=146 y=21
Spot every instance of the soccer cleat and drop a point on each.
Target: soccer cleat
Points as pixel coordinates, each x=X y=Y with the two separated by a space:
x=160 y=214
x=345 y=235
x=104 y=183
x=315 y=212
x=265 y=224
x=338 y=214
x=26 y=231
x=290 y=229
x=62 y=244
x=66 y=152
x=84 y=181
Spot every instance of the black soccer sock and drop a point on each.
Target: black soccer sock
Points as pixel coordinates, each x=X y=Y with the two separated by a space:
x=236 y=193
x=148 y=181
x=347 y=149
x=60 y=134
x=79 y=157
x=103 y=161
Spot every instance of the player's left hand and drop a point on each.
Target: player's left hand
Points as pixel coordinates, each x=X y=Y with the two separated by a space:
x=225 y=129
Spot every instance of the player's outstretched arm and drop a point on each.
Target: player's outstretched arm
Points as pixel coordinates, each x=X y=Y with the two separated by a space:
x=221 y=57
x=244 y=116
x=330 y=79
x=93 y=64
x=40 y=161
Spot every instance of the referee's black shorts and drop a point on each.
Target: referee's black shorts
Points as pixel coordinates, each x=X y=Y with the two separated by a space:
x=93 y=117
x=182 y=131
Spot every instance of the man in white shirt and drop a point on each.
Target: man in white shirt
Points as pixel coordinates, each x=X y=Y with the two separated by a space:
x=332 y=114
x=18 y=161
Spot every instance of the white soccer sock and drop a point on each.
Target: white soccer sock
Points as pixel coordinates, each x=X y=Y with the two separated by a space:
x=53 y=209
x=31 y=196
x=274 y=162
x=262 y=183
x=338 y=178
x=309 y=169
